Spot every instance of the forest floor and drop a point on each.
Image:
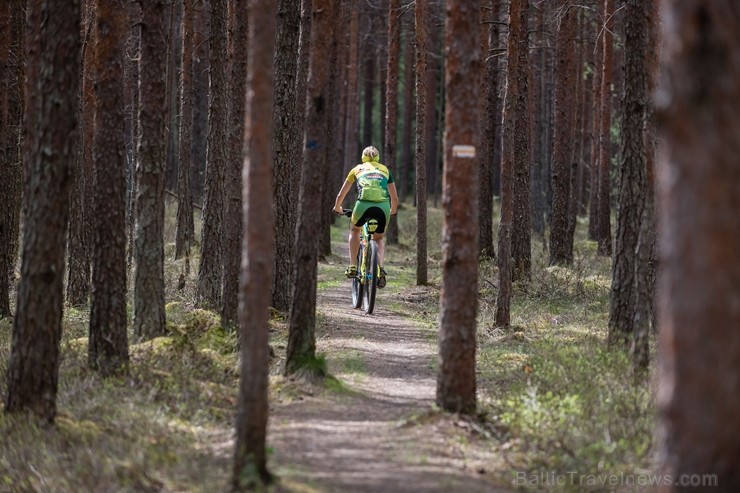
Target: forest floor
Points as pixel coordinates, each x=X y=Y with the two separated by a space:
x=553 y=402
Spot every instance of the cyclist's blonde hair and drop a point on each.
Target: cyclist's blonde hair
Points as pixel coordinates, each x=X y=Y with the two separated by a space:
x=370 y=153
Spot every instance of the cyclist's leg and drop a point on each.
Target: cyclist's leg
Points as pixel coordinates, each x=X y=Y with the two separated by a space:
x=381 y=247
x=354 y=244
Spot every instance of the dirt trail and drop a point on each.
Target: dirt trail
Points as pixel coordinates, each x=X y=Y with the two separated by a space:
x=360 y=441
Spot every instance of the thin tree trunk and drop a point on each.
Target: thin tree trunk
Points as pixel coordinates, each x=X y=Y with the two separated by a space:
x=210 y=270
x=11 y=121
x=351 y=144
x=108 y=347
x=537 y=126
x=149 y=313
x=489 y=101
x=233 y=218
x=51 y=113
x=250 y=454
x=201 y=96
x=561 y=160
x=302 y=339
x=421 y=20
x=517 y=34
x=605 y=228
x=593 y=209
x=391 y=100
x=404 y=170
x=459 y=295
x=285 y=151
x=185 y=231
x=699 y=269
x=80 y=220
x=521 y=231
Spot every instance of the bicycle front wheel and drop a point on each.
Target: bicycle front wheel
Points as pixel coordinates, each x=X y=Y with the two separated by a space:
x=371 y=277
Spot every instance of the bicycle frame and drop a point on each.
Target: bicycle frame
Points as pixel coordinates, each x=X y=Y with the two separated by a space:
x=365 y=284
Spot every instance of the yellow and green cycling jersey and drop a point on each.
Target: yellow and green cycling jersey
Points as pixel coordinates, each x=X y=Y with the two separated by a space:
x=372 y=181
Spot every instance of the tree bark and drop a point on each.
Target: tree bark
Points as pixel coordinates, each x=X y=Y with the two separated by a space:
x=563 y=145
x=489 y=101
x=210 y=270
x=250 y=453
x=459 y=295
x=421 y=20
x=605 y=143
x=11 y=121
x=593 y=209
x=201 y=96
x=699 y=392
x=632 y=178
x=80 y=220
x=537 y=127
x=108 y=347
x=404 y=169
x=287 y=163
x=302 y=339
x=233 y=218
x=391 y=100
x=51 y=113
x=521 y=230
x=185 y=232
x=351 y=137
x=149 y=313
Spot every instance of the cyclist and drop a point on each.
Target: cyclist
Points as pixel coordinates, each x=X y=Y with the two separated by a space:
x=377 y=200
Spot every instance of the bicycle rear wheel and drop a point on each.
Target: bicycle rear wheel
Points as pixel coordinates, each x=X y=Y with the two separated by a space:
x=357 y=283
x=371 y=277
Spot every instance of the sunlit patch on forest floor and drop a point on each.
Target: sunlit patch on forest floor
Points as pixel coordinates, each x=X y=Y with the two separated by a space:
x=552 y=399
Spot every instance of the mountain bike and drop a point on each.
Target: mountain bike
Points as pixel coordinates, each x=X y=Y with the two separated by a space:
x=365 y=283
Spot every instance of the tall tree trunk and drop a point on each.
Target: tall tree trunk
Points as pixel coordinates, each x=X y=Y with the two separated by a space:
x=173 y=60
x=11 y=120
x=537 y=127
x=420 y=27
x=210 y=270
x=287 y=164
x=605 y=142
x=521 y=231
x=108 y=347
x=391 y=100
x=593 y=209
x=489 y=101
x=458 y=299
x=185 y=232
x=561 y=159
x=131 y=95
x=51 y=113
x=201 y=96
x=233 y=217
x=302 y=339
x=404 y=169
x=250 y=454
x=518 y=14
x=351 y=144
x=632 y=177
x=149 y=314
x=80 y=220
x=368 y=91
x=699 y=268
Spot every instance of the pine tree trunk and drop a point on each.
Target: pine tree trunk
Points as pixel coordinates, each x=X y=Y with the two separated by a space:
x=11 y=120
x=575 y=125
x=210 y=270
x=632 y=178
x=131 y=95
x=368 y=92
x=489 y=101
x=287 y=163
x=537 y=125
x=250 y=454
x=149 y=313
x=51 y=112
x=80 y=222
x=605 y=228
x=459 y=295
x=593 y=209
x=233 y=218
x=351 y=140
x=404 y=170
x=108 y=347
x=521 y=231
x=185 y=231
x=201 y=97
x=699 y=268
x=563 y=145
x=391 y=99
x=302 y=339
x=421 y=20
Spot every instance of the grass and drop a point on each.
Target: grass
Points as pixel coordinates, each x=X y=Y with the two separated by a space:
x=551 y=397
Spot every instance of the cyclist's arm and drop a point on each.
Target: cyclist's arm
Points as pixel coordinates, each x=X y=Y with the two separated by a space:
x=394 y=197
x=341 y=195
